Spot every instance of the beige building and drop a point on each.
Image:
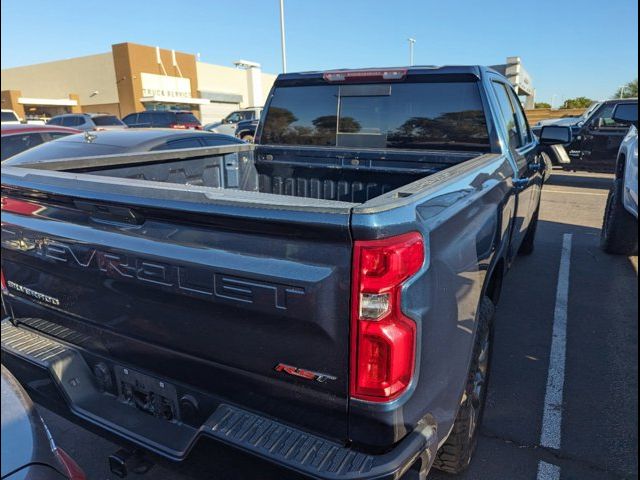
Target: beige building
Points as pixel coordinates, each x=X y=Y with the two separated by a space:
x=132 y=78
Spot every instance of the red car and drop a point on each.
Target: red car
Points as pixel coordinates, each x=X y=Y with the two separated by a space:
x=18 y=138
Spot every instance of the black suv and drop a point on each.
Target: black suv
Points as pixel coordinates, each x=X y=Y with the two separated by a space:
x=163 y=119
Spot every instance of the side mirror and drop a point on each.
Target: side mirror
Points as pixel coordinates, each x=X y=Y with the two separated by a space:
x=626 y=114
x=554 y=135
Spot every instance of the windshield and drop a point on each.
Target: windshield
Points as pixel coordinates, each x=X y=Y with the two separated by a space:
x=395 y=116
x=107 y=120
x=590 y=110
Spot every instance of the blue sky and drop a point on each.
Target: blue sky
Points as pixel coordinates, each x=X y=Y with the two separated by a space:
x=570 y=47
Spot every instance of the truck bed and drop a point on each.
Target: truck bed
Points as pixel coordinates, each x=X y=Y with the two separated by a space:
x=333 y=180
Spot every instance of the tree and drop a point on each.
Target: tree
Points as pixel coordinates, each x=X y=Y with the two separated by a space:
x=580 y=102
x=630 y=90
x=542 y=105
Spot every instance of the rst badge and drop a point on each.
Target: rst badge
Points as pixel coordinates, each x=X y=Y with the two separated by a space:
x=306 y=374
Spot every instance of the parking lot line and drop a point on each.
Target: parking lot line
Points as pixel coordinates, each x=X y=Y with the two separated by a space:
x=569 y=192
x=547 y=471
x=552 y=416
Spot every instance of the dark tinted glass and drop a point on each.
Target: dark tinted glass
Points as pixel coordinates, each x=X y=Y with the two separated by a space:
x=55 y=121
x=131 y=119
x=106 y=120
x=14 y=144
x=144 y=119
x=508 y=114
x=8 y=117
x=403 y=116
x=187 y=118
x=605 y=116
x=523 y=124
x=161 y=119
x=302 y=116
x=72 y=121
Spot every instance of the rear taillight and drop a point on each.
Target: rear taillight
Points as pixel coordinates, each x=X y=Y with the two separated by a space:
x=5 y=290
x=178 y=126
x=198 y=127
x=383 y=339
x=13 y=205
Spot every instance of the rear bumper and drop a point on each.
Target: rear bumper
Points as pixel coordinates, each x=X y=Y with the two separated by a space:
x=31 y=356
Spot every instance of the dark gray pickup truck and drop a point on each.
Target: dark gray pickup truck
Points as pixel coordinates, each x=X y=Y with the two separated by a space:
x=321 y=299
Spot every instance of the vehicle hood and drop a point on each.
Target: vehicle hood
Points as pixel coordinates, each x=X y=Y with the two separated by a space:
x=561 y=122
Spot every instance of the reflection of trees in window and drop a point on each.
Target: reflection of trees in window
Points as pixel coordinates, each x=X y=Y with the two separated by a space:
x=279 y=129
x=349 y=125
x=466 y=127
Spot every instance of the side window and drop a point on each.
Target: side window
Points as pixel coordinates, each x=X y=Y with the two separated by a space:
x=234 y=117
x=191 y=142
x=521 y=118
x=144 y=119
x=14 y=144
x=162 y=119
x=55 y=121
x=130 y=119
x=603 y=118
x=70 y=121
x=508 y=114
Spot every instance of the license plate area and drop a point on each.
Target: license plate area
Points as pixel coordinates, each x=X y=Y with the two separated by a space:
x=148 y=394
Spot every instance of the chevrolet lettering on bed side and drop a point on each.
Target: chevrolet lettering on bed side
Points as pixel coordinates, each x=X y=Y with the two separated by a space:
x=198 y=281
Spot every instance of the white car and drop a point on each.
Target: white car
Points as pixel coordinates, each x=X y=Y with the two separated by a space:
x=620 y=226
x=228 y=124
x=9 y=117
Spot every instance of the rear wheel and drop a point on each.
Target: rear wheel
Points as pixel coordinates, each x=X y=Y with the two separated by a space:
x=620 y=229
x=456 y=454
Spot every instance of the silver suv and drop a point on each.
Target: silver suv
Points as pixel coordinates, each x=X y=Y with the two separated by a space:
x=88 y=121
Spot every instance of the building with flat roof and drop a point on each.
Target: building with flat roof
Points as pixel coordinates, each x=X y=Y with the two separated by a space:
x=132 y=78
x=520 y=79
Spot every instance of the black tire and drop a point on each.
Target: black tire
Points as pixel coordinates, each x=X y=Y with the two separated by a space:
x=619 y=228
x=529 y=242
x=456 y=454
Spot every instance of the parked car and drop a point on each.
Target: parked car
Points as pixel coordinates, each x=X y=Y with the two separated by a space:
x=569 y=121
x=9 y=117
x=596 y=139
x=322 y=299
x=114 y=142
x=246 y=130
x=18 y=138
x=163 y=119
x=229 y=123
x=28 y=449
x=620 y=225
x=88 y=121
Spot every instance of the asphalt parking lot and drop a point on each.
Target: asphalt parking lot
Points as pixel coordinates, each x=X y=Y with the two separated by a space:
x=566 y=408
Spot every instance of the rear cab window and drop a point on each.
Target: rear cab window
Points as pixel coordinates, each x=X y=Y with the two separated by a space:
x=409 y=115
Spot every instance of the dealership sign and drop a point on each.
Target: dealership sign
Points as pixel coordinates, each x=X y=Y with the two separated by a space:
x=165 y=86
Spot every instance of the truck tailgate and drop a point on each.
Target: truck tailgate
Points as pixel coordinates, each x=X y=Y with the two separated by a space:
x=251 y=310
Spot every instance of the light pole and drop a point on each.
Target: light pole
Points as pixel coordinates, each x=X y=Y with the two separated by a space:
x=282 y=38
x=412 y=42
x=622 y=90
